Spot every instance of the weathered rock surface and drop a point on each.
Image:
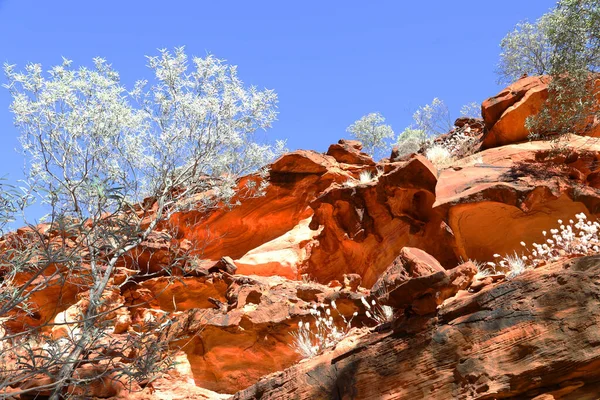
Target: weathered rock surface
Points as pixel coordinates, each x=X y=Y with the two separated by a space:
x=318 y=219
x=515 y=193
x=506 y=113
x=531 y=336
x=349 y=152
x=232 y=306
x=232 y=330
x=364 y=227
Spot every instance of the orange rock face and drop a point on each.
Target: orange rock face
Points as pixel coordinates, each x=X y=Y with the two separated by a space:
x=317 y=218
x=402 y=238
x=517 y=192
x=365 y=226
x=232 y=330
x=532 y=336
x=506 y=113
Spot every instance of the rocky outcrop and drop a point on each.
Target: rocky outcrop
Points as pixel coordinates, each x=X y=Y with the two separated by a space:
x=316 y=218
x=243 y=278
x=532 y=336
x=506 y=113
x=365 y=226
x=349 y=152
x=515 y=193
x=232 y=330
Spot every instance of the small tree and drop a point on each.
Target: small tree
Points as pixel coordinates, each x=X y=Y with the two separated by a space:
x=430 y=120
x=565 y=44
x=471 y=110
x=526 y=50
x=111 y=166
x=410 y=141
x=433 y=120
x=372 y=132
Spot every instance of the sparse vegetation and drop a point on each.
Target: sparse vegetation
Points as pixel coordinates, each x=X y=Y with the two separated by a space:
x=564 y=44
x=378 y=313
x=325 y=332
x=373 y=133
x=579 y=238
x=430 y=123
x=439 y=155
x=94 y=152
x=363 y=178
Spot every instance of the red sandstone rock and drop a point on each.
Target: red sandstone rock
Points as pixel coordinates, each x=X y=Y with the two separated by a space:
x=514 y=194
x=522 y=338
x=349 y=152
x=506 y=113
x=422 y=294
x=493 y=108
x=410 y=263
x=403 y=231
x=364 y=227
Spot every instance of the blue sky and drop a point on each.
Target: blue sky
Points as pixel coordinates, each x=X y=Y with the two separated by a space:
x=330 y=62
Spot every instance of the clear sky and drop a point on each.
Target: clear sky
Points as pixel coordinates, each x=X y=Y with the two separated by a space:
x=329 y=61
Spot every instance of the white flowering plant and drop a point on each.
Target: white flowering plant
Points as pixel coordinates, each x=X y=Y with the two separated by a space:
x=381 y=314
x=575 y=238
x=325 y=332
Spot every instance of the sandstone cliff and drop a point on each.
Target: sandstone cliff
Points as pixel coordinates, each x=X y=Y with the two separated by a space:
x=401 y=238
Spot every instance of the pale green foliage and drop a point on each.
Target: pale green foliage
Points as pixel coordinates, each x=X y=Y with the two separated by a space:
x=471 y=110
x=574 y=34
x=565 y=39
x=525 y=50
x=429 y=120
x=410 y=141
x=433 y=120
x=84 y=137
x=95 y=150
x=372 y=132
x=565 y=44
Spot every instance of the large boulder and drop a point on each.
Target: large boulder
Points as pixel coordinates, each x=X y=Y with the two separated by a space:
x=506 y=113
x=535 y=335
x=364 y=227
x=515 y=192
x=410 y=263
x=349 y=152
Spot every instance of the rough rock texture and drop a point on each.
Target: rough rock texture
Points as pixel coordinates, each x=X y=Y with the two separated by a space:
x=323 y=234
x=410 y=263
x=365 y=226
x=515 y=193
x=317 y=218
x=534 y=335
x=421 y=295
x=349 y=152
x=505 y=114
